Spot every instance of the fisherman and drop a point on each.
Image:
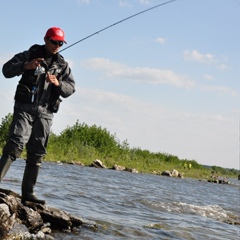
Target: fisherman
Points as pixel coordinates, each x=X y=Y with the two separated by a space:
x=185 y=165
x=189 y=166
x=45 y=77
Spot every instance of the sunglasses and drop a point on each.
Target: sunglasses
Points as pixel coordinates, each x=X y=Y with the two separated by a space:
x=60 y=43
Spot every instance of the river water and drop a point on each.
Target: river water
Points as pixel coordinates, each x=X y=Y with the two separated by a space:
x=136 y=206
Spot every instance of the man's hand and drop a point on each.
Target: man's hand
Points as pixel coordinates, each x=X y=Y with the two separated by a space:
x=52 y=79
x=33 y=64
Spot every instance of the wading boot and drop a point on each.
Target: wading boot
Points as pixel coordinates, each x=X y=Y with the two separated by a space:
x=5 y=163
x=32 y=167
x=10 y=153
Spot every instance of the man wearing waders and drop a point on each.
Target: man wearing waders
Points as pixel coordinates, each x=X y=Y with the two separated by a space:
x=45 y=77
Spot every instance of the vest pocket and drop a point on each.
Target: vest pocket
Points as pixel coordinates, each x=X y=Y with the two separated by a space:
x=23 y=94
x=54 y=105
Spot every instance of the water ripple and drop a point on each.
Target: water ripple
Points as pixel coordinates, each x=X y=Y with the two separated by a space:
x=136 y=206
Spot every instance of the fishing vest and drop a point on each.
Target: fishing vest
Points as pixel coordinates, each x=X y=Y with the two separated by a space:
x=31 y=85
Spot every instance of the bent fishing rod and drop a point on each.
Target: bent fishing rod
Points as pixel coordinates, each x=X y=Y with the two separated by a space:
x=114 y=24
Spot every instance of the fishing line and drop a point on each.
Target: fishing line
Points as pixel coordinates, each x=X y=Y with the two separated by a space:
x=114 y=24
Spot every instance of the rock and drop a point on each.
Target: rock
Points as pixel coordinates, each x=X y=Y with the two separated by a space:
x=118 y=167
x=173 y=173
x=180 y=175
x=57 y=218
x=38 y=219
x=220 y=181
x=223 y=181
x=122 y=168
x=6 y=219
x=76 y=163
x=166 y=173
x=32 y=219
x=132 y=170
x=98 y=164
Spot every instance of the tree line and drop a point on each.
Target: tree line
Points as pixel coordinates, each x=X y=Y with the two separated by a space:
x=85 y=143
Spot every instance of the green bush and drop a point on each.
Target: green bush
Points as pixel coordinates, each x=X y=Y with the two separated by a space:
x=86 y=143
x=4 y=127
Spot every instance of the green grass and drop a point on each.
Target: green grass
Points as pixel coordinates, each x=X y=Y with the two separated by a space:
x=148 y=167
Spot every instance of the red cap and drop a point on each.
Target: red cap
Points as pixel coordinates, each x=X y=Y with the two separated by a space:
x=55 y=33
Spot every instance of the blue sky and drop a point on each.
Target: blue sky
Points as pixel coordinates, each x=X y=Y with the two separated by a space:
x=166 y=80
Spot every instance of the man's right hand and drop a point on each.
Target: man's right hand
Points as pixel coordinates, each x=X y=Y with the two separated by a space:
x=33 y=64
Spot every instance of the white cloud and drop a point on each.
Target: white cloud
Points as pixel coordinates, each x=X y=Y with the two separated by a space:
x=207 y=58
x=123 y=3
x=113 y=70
x=223 y=67
x=144 y=2
x=221 y=90
x=160 y=40
x=80 y=2
x=137 y=74
x=208 y=77
x=194 y=55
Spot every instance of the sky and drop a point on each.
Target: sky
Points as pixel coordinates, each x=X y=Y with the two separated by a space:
x=166 y=80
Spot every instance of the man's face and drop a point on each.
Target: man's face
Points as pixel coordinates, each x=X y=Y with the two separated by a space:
x=52 y=46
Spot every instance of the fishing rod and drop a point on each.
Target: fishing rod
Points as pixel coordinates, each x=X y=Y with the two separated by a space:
x=114 y=24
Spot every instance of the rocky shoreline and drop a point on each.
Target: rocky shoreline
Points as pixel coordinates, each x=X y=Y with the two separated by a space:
x=173 y=173
x=33 y=221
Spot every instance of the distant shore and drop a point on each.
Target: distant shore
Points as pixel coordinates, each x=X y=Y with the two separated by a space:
x=201 y=174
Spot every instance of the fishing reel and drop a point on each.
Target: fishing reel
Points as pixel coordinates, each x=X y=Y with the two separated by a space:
x=39 y=70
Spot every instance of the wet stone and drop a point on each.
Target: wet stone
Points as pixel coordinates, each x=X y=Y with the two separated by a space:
x=39 y=220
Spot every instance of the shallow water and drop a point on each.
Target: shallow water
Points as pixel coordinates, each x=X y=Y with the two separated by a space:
x=136 y=206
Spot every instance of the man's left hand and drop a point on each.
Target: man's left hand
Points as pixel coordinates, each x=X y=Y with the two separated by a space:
x=52 y=79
